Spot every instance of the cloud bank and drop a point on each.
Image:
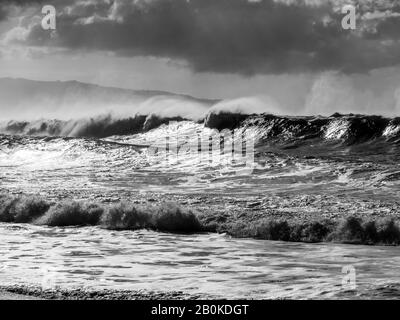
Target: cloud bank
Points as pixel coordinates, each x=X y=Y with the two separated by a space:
x=221 y=36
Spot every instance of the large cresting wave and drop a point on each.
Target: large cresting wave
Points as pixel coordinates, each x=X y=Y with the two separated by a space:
x=351 y=129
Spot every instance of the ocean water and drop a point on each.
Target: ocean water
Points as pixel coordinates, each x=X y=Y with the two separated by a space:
x=209 y=265
x=303 y=168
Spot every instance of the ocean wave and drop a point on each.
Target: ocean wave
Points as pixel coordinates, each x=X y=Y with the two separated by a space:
x=344 y=128
x=121 y=216
x=99 y=127
x=350 y=230
x=76 y=100
x=170 y=217
x=267 y=129
x=74 y=109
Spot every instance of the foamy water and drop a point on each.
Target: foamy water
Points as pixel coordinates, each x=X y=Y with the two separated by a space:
x=298 y=179
x=210 y=265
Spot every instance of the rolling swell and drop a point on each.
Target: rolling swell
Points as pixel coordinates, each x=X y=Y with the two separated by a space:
x=120 y=216
x=170 y=217
x=346 y=129
x=100 y=127
x=350 y=129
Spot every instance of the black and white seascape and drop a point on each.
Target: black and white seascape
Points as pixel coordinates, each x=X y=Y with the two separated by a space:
x=212 y=149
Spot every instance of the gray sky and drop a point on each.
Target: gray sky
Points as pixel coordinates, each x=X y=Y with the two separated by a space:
x=293 y=52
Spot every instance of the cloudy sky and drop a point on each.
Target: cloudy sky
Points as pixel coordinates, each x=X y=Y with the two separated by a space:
x=294 y=52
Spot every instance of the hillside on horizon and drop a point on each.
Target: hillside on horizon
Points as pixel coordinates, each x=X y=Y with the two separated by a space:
x=31 y=99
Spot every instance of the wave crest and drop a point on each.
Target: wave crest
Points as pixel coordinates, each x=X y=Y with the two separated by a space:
x=347 y=129
x=170 y=217
x=120 y=216
x=100 y=127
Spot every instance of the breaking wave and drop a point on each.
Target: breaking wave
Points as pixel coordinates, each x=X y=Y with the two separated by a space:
x=171 y=217
x=349 y=230
x=351 y=129
x=74 y=109
x=99 y=127
x=121 y=216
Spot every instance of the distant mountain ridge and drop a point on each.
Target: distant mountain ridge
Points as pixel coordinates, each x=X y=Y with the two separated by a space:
x=39 y=84
x=22 y=99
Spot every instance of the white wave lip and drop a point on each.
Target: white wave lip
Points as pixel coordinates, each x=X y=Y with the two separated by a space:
x=391 y=130
x=336 y=129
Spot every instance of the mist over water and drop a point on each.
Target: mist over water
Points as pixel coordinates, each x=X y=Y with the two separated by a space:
x=328 y=92
x=32 y=100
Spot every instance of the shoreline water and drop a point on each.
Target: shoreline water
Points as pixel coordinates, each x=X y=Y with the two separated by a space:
x=93 y=263
x=7 y=295
x=18 y=292
x=25 y=292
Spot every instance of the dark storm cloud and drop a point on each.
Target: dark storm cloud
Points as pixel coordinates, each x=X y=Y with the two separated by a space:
x=5 y=5
x=233 y=36
x=3 y=13
x=21 y=3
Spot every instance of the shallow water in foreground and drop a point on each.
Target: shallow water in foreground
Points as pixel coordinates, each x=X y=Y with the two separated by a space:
x=209 y=265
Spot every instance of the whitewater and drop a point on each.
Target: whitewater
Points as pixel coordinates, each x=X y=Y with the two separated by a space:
x=93 y=201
